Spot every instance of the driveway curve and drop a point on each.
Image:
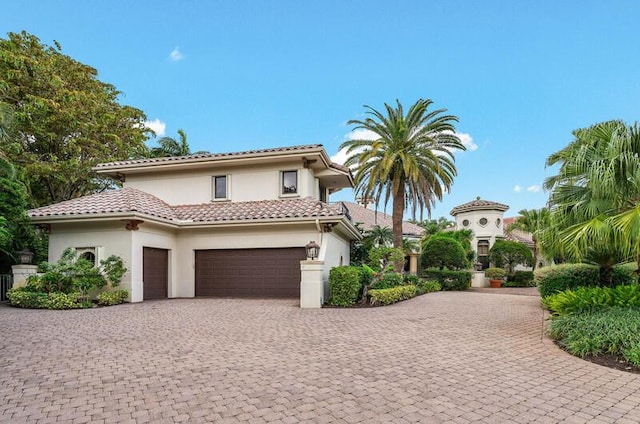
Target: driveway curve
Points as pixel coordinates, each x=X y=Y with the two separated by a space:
x=460 y=357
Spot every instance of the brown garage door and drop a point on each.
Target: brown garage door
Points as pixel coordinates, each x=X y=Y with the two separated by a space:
x=249 y=272
x=155 y=273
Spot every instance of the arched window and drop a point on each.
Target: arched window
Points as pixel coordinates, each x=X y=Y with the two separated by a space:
x=89 y=256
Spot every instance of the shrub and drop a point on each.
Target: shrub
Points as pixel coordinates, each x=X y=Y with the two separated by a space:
x=613 y=331
x=345 y=283
x=557 y=278
x=625 y=274
x=22 y=298
x=495 y=273
x=428 y=286
x=64 y=301
x=388 y=280
x=392 y=295
x=587 y=299
x=449 y=280
x=411 y=279
x=508 y=254
x=382 y=258
x=520 y=279
x=114 y=297
x=443 y=252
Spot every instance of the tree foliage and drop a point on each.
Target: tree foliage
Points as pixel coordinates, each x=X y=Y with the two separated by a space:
x=410 y=160
x=64 y=120
x=536 y=222
x=444 y=252
x=507 y=254
x=169 y=146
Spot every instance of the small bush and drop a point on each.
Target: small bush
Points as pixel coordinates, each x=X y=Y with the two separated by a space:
x=392 y=295
x=443 y=252
x=520 y=279
x=22 y=298
x=556 y=278
x=388 y=280
x=588 y=299
x=411 y=279
x=495 y=273
x=613 y=331
x=624 y=274
x=428 y=287
x=61 y=300
x=449 y=280
x=114 y=297
x=345 y=283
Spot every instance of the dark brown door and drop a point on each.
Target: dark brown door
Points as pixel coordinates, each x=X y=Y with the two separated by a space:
x=155 y=273
x=249 y=272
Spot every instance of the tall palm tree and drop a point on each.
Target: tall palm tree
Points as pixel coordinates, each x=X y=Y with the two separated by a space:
x=533 y=221
x=169 y=146
x=381 y=236
x=410 y=160
x=595 y=197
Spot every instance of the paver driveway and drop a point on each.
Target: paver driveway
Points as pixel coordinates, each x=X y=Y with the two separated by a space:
x=443 y=357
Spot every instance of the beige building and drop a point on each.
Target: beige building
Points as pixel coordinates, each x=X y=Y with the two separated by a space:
x=230 y=224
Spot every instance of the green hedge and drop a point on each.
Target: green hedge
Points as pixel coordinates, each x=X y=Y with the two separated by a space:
x=556 y=278
x=449 y=280
x=114 y=297
x=22 y=297
x=613 y=330
x=392 y=295
x=345 y=283
x=428 y=286
x=588 y=299
x=389 y=280
x=520 y=279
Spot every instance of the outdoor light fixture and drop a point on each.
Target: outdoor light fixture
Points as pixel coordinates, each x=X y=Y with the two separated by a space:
x=312 y=250
x=25 y=257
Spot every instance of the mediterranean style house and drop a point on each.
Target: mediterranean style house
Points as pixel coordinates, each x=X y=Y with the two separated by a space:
x=228 y=224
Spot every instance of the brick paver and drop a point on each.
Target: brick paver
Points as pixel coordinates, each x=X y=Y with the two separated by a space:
x=460 y=357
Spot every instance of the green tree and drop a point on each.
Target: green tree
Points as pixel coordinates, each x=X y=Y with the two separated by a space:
x=169 y=146
x=534 y=221
x=410 y=160
x=380 y=236
x=443 y=252
x=507 y=254
x=595 y=196
x=64 y=120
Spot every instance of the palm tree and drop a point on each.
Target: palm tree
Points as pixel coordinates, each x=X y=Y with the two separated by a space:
x=595 y=198
x=169 y=146
x=410 y=160
x=533 y=221
x=381 y=236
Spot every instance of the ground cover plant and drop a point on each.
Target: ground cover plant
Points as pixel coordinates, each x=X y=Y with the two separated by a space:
x=70 y=282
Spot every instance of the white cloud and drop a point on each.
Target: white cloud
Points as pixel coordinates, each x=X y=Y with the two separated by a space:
x=361 y=134
x=517 y=188
x=157 y=126
x=176 y=55
x=467 y=141
x=534 y=188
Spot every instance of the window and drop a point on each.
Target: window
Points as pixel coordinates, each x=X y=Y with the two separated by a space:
x=483 y=221
x=465 y=223
x=220 y=187
x=289 y=182
x=483 y=253
x=89 y=256
x=88 y=253
x=498 y=222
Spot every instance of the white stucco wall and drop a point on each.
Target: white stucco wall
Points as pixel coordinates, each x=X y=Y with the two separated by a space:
x=244 y=183
x=493 y=228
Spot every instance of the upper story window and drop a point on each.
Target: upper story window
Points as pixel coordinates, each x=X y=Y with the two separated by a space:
x=289 y=182
x=220 y=187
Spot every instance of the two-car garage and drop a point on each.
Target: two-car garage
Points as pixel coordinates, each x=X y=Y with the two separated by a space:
x=248 y=272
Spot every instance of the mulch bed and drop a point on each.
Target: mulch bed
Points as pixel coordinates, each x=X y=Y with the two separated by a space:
x=614 y=362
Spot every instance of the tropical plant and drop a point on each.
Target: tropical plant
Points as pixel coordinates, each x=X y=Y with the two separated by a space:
x=169 y=146
x=410 y=246
x=410 y=160
x=595 y=197
x=380 y=236
x=507 y=254
x=534 y=221
x=443 y=252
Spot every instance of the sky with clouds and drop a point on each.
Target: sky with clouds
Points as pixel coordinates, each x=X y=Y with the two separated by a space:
x=240 y=75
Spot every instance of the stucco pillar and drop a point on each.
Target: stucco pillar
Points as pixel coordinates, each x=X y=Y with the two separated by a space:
x=311 y=284
x=413 y=263
x=478 y=279
x=21 y=273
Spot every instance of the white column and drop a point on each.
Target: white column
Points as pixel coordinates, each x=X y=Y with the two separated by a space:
x=478 y=279
x=311 y=284
x=21 y=273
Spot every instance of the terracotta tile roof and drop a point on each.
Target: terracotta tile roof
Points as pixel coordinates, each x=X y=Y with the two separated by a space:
x=368 y=218
x=207 y=156
x=479 y=204
x=128 y=200
x=517 y=235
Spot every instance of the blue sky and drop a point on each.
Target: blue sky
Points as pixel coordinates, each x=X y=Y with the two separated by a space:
x=238 y=75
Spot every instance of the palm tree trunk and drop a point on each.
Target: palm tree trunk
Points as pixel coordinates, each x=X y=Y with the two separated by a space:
x=398 y=213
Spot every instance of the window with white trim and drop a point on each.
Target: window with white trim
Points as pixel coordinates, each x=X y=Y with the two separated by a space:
x=221 y=187
x=288 y=183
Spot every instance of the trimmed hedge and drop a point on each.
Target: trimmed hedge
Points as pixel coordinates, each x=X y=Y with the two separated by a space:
x=22 y=298
x=114 y=297
x=520 y=279
x=556 y=278
x=389 y=280
x=588 y=299
x=449 y=280
x=345 y=283
x=392 y=295
x=428 y=287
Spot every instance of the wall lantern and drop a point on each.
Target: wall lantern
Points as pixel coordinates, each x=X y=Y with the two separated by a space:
x=312 y=250
x=25 y=257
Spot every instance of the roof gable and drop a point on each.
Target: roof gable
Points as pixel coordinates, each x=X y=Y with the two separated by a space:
x=479 y=204
x=369 y=218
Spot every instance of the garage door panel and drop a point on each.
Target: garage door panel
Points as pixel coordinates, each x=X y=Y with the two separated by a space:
x=249 y=272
